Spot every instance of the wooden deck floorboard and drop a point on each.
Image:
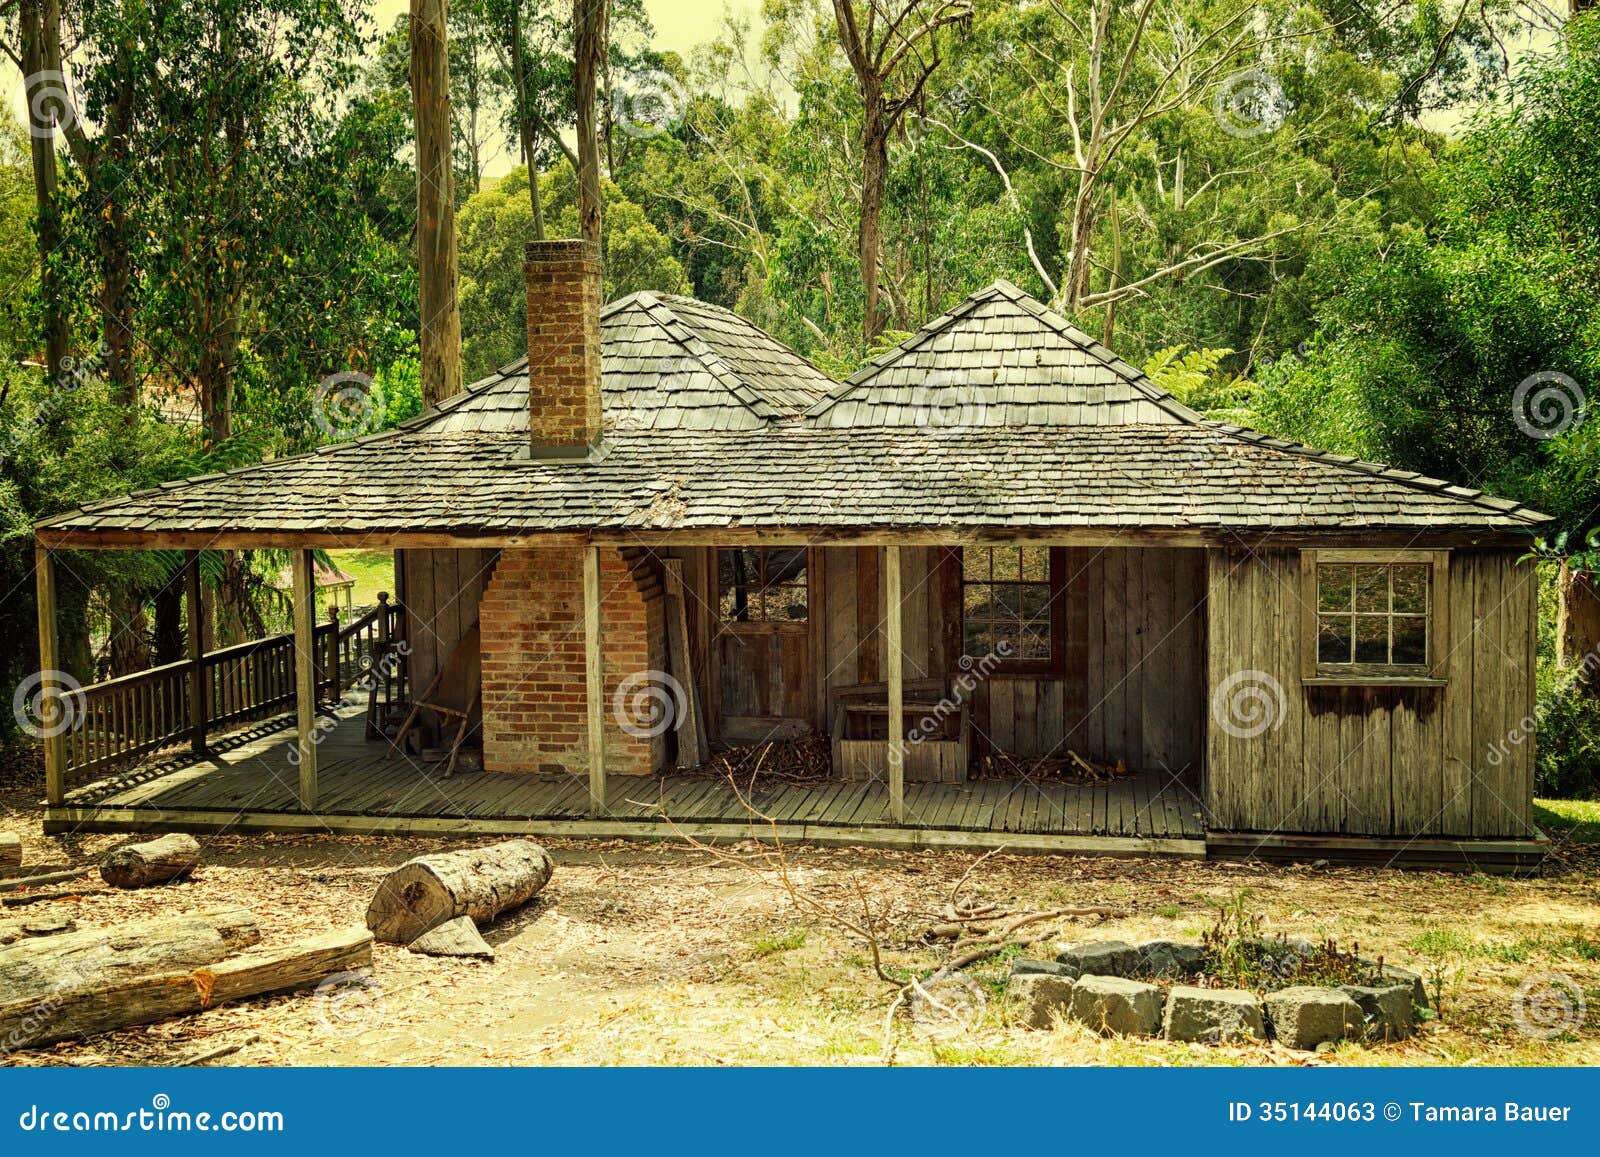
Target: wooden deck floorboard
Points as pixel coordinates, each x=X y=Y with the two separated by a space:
x=249 y=779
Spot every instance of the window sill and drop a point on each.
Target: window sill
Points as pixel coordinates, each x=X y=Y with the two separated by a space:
x=1372 y=681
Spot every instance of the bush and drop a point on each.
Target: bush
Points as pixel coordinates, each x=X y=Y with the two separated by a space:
x=1567 y=764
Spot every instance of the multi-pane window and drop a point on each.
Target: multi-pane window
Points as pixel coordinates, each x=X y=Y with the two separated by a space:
x=1373 y=614
x=762 y=584
x=1006 y=599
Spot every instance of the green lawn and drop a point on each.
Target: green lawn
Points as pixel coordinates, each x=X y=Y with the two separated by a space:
x=373 y=571
x=1578 y=819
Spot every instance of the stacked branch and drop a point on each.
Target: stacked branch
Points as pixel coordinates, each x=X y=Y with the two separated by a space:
x=808 y=760
x=1069 y=767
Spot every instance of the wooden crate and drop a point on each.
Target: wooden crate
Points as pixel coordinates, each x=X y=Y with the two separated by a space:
x=861 y=745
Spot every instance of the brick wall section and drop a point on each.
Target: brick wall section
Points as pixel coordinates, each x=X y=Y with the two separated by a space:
x=563 y=284
x=533 y=672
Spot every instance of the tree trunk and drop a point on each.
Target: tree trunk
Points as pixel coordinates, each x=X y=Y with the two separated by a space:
x=1578 y=627
x=170 y=857
x=589 y=46
x=439 y=334
x=482 y=883
x=168 y=601
x=32 y=971
x=40 y=22
x=525 y=126
x=874 y=176
x=128 y=649
x=139 y=997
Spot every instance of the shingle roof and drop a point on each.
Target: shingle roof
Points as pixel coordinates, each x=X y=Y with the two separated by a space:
x=704 y=431
x=999 y=359
x=1157 y=475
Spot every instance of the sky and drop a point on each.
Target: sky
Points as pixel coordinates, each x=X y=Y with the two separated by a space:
x=680 y=24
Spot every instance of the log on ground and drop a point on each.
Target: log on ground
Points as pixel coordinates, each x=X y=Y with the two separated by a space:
x=41 y=970
x=157 y=861
x=140 y=999
x=10 y=850
x=482 y=883
x=46 y=924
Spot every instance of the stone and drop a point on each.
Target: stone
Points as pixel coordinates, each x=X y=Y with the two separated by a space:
x=1114 y=1004
x=1419 y=990
x=1387 y=1009
x=1023 y=965
x=1170 y=958
x=1039 y=997
x=1305 y=1016
x=1212 y=1015
x=1102 y=958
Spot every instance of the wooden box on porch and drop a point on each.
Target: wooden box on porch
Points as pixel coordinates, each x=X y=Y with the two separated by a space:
x=938 y=736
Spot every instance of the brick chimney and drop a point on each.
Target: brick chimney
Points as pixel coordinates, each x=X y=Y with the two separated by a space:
x=563 y=279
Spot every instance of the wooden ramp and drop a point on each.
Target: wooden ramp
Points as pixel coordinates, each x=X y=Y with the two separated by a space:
x=248 y=784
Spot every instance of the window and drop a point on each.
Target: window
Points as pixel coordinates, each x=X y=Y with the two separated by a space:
x=1376 y=614
x=762 y=584
x=1008 y=608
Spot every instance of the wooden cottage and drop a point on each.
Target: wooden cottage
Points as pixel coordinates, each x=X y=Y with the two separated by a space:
x=1099 y=620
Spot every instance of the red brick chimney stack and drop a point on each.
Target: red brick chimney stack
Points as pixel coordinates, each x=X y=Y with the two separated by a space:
x=563 y=279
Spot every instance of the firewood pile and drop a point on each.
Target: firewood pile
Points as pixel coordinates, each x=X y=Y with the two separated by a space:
x=808 y=760
x=1064 y=767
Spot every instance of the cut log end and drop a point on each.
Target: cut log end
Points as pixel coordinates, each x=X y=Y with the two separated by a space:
x=10 y=850
x=479 y=883
x=458 y=937
x=158 y=861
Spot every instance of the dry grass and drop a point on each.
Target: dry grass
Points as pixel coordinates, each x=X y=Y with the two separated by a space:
x=655 y=955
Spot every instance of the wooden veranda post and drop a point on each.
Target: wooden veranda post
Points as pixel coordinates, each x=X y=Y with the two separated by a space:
x=55 y=742
x=305 y=675
x=197 y=652
x=333 y=676
x=896 y=663
x=595 y=693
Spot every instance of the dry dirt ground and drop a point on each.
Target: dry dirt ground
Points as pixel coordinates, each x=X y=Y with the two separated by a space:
x=659 y=954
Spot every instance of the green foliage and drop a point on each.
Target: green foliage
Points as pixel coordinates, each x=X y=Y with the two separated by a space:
x=1237 y=954
x=493 y=227
x=1196 y=379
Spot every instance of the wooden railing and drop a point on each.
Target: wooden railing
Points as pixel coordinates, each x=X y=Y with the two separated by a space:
x=118 y=721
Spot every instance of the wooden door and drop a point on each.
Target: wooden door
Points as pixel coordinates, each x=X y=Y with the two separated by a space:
x=763 y=643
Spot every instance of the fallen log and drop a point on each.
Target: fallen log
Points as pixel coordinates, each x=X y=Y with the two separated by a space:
x=19 y=883
x=169 y=857
x=458 y=937
x=40 y=970
x=11 y=871
x=482 y=883
x=140 y=999
x=10 y=850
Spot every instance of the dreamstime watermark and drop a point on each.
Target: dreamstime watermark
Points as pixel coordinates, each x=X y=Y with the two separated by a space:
x=347 y=405
x=1547 y=1005
x=75 y=373
x=368 y=680
x=1548 y=404
x=947 y=1004
x=54 y=101
x=1524 y=728
x=45 y=704
x=647 y=103
x=648 y=703
x=1249 y=103
x=159 y=1117
x=973 y=672
x=350 y=1003
x=1249 y=703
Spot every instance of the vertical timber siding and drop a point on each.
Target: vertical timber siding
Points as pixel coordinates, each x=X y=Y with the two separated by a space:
x=1372 y=760
x=1132 y=686
x=441 y=590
